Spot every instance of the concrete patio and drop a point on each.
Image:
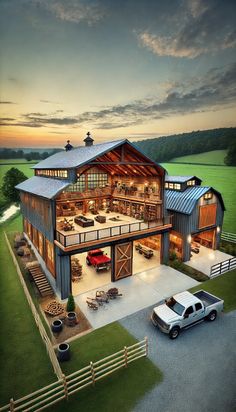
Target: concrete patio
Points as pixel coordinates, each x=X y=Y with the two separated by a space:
x=138 y=291
x=206 y=258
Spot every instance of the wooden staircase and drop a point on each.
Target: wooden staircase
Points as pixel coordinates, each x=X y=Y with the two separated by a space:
x=40 y=280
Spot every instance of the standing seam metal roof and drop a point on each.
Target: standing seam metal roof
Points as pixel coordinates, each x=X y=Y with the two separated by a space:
x=43 y=186
x=184 y=202
x=180 y=179
x=76 y=157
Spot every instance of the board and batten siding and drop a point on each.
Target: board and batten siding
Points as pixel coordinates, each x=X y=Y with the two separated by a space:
x=40 y=213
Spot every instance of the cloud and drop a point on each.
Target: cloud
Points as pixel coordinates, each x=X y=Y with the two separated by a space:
x=216 y=90
x=199 y=30
x=7 y=102
x=75 y=11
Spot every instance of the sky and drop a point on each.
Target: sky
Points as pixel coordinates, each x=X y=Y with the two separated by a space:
x=119 y=69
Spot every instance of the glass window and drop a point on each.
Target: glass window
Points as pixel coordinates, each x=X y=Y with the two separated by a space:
x=208 y=196
x=166 y=185
x=198 y=306
x=191 y=183
x=177 y=186
x=171 y=185
x=189 y=310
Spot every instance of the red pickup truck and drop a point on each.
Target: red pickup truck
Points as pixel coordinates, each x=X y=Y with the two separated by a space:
x=98 y=260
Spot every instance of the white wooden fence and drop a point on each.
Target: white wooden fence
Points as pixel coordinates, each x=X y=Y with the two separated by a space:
x=230 y=237
x=223 y=267
x=42 y=331
x=76 y=381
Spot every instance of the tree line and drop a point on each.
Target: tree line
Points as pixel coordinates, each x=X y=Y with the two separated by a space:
x=165 y=148
x=7 y=153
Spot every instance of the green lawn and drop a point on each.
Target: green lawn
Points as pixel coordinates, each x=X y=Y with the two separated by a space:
x=215 y=157
x=25 y=365
x=224 y=287
x=119 y=391
x=221 y=178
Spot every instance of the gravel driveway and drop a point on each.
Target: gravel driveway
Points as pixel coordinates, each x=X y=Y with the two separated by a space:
x=199 y=367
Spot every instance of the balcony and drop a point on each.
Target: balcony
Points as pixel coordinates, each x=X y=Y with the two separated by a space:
x=81 y=237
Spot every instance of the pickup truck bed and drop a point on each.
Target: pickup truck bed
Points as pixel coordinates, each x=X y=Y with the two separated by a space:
x=206 y=298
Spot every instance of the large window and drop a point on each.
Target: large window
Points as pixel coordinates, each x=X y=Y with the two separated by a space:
x=79 y=186
x=59 y=174
x=191 y=183
x=97 y=180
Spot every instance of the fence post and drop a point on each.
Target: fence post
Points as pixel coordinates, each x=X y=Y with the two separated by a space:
x=126 y=356
x=12 y=405
x=146 y=345
x=92 y=372
x=65 y=386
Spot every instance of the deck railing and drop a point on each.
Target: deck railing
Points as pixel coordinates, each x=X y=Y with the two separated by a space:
x=109 y=232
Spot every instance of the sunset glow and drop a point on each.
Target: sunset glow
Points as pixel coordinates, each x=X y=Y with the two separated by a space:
x=119 y=69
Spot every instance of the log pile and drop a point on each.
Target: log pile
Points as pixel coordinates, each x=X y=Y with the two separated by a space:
x=54 y=308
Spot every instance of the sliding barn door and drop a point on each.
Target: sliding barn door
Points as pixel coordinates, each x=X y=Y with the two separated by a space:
x=123 y=260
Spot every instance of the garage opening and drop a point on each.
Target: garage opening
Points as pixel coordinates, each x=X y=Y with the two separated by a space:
x=206 y=239
x=146 y=253
x=90 y=270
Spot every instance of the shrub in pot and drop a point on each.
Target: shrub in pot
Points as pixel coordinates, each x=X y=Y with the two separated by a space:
x=70 y=307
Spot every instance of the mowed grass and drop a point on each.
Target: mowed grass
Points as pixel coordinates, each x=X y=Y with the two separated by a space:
x=224 y=287
x=214 y=157
x=119 y=391
x=220 y=178
x=24 y=364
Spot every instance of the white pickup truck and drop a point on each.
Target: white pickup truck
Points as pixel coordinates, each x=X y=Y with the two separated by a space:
x=184 y=310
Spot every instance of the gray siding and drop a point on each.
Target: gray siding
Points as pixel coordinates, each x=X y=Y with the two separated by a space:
x=33 y=215
x=165 y=244
x=63 y=281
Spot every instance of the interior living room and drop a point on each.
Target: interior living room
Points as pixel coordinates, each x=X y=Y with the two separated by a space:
x=100 y=201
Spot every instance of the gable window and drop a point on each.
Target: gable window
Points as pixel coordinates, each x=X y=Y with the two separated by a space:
x=97 y=180
x=191 y=183
x=208 y=196
x=167 y=185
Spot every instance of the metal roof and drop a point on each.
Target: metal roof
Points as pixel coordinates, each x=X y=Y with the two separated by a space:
x=180 y=179
x=43 y=186
x=77 y=156
x=184 y=202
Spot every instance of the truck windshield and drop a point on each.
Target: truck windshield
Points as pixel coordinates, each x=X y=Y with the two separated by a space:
x=175 y=306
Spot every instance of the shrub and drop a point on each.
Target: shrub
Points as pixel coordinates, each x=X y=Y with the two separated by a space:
x=70 y=307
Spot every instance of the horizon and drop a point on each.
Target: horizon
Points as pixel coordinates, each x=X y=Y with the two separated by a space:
x=118 y=69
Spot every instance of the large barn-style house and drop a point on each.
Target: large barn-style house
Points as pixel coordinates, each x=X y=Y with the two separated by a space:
x=99 y=213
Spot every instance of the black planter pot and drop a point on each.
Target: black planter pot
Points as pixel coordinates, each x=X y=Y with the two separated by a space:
x=63 y=353
x=71 y=319
x=57 y=326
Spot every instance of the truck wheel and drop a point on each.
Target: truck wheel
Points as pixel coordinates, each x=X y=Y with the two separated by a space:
x=97 y=269
x=174 y=333
x=88 y=263
x=212 y=316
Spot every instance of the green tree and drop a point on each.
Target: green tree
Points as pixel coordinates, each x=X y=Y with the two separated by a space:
x=12 y=178
x=70 y=307
x=230 y=159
